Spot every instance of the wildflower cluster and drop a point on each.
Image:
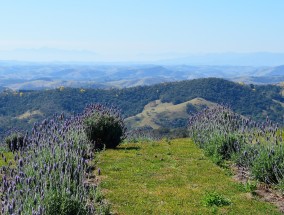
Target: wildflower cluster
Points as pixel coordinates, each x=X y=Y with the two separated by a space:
x=257 y=146
x=50 y=174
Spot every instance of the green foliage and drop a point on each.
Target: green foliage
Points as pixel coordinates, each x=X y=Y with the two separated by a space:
x=104 y=210
x=242 y=99
x=98 y=196
x=248 y=187
x=215 y=199
x=104 y=130
x=268 y=164
x=15 y=141
x=222 y=146
x=280 y=186
x=225 y=135
x=63 y=205
x=246 y=156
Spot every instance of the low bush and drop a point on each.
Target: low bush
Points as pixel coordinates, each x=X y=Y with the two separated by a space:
x=15 y=141
x=248 y=187
x=215 y=199
x=64 y=205
x=268 y=164
x=104 y=126
x=223 y=146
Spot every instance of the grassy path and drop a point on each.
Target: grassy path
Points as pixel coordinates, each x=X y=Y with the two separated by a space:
x=170 y=178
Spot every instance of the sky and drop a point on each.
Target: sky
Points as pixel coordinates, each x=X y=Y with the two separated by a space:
x=138 y=29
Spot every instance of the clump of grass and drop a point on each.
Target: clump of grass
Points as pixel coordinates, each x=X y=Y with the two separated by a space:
x=248 y=187
x=280 y=186
x=214 y=199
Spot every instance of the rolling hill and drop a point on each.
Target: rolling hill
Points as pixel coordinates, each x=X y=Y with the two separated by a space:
x=157 y=114
x=248 y=100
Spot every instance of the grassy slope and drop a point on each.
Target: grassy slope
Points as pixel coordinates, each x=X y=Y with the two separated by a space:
x=169 y=178
x=156 y=110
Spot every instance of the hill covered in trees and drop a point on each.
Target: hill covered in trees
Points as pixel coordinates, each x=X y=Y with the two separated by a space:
x=22 y=109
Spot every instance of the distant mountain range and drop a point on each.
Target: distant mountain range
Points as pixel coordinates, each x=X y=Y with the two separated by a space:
x=36 y=76
x=257 y=59
x=48 y=54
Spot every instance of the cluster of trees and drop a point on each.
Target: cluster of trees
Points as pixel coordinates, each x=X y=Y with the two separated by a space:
x=248 y=100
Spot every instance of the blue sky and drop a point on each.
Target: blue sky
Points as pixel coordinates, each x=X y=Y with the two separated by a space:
x=142 y=29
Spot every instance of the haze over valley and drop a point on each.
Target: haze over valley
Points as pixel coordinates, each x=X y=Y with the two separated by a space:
x=39 y=76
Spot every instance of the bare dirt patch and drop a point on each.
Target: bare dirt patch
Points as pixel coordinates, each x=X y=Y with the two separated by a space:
x=264 y=191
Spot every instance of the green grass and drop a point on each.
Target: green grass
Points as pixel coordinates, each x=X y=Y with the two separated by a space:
x=170 y=178
x=9 y=156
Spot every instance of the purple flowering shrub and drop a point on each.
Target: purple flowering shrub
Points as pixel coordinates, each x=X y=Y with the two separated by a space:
x=225 y=135
x=52 y=172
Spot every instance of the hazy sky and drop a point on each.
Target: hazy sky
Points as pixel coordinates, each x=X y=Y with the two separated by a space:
x=122 y=29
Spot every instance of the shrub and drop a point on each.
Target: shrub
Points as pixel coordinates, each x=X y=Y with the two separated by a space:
x=103 y=130
x=15 y=141
x=104 y=127
x=246 y=155
x=64 y=205
x=248 y=187
x=225 y=135
x=268 y=164
x=51 y=172
x=215 y=199
x=223 y=146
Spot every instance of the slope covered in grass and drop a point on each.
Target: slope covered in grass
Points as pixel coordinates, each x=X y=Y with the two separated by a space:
x=170 y=177
x=158 y=114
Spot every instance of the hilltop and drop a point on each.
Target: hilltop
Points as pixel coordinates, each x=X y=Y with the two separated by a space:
x=157 y=114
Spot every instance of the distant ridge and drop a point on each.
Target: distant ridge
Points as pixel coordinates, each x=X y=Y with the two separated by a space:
x=49 y=76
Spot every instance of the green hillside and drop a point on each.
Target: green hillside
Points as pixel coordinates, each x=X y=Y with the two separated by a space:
x=157 y=114
x=248 y=100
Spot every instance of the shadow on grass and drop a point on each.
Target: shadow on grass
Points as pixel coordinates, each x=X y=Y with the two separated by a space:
x=128 y=148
